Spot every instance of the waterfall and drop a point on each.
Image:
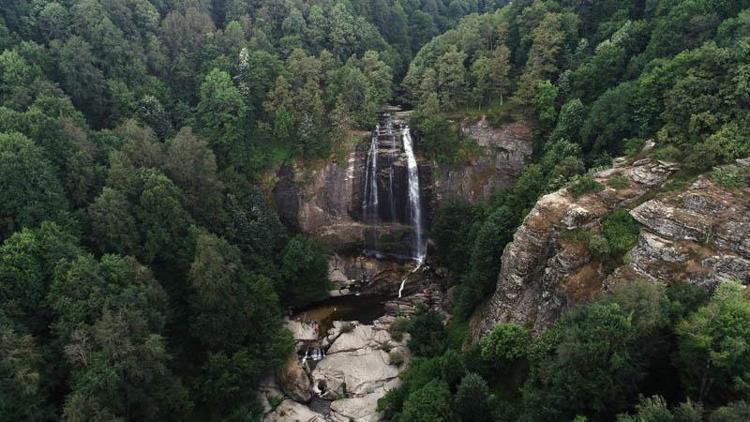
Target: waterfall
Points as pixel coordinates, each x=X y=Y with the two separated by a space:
x=391 y=170
x=415 y=206
x=370 y=198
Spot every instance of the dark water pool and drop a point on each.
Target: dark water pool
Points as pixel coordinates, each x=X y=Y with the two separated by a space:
x=363 y=308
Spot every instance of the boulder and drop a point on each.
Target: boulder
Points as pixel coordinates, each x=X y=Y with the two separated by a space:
x=294 y=381
x=360 y=409
x=358 y=373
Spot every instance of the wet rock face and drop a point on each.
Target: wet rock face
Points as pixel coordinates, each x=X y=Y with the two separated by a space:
x=699 y=235
x=326 y=202
x=503 y=153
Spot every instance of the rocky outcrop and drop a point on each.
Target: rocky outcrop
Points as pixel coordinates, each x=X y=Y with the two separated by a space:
x=698 y=234
x=501 y=158
x=543 y=272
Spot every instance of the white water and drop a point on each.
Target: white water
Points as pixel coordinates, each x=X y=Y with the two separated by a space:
x=415 y=207
x=370 y=199
x=403 y=282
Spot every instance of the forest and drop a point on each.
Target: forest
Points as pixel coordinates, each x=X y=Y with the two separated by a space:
x=144 y=273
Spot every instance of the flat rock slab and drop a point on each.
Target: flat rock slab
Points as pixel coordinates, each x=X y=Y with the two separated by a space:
x=291 y=411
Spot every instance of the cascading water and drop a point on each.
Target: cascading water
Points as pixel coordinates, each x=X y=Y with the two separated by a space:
x=370 y=199
x=415 y=205
x=392 y=168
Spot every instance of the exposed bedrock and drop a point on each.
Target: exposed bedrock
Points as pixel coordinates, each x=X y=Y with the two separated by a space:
x=699 y=234
x=326 y=201
x=503 y=153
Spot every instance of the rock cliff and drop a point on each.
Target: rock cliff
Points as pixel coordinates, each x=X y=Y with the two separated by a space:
x=698 y=233
x=502 y=154
x=325 y=201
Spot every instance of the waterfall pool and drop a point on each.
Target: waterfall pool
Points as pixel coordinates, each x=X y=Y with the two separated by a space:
x=362 y=308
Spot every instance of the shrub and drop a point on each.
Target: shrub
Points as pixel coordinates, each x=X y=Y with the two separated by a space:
x=621 y=231
x=618 y=181
x=633 y=146
x=396 y=356
x=733 y=412
x=428 y=335
x=599 y=247
x=398 y=327
x=581 y=185
x=730 y=177
x=505 y=344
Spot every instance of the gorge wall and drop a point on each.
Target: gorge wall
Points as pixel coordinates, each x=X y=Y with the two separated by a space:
x=699 y=233
x=502 y=154
x=326 y=202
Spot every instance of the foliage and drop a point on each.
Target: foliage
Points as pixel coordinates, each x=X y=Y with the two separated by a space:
x=712 y=346
x=304 y=273
x=621 y=231
x=618 y=181
x=505 y=345
x=655 y=409
x=427 y=334
x=31 y=191
x=430 y=403
x=732 y=177
x=582 y=185
x=598 y=372
x=398 y=327
x=473 y=399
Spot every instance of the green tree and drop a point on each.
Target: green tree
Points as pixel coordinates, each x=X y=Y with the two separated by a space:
x=430 y=403
x=27 y=262
x=428 y=337
x=472 y=401
x=572 y=115
x=21 y=382
x=451 y=78
x=31 y=192
x=304 y=273
x=222 y=115
x=653 y=409
x=505 y=345
x=191 y=165
x=235 y=316
x=113 y=225
x=587 y=363
x=712 y=347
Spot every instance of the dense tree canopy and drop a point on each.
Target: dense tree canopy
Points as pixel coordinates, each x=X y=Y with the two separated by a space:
x=143 y=274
